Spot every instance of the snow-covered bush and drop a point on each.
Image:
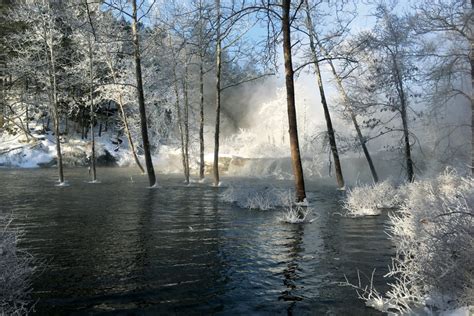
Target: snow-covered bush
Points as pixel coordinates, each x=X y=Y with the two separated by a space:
x=433 y=233
x=16 y=268
x=370 y=199
x=434 y=238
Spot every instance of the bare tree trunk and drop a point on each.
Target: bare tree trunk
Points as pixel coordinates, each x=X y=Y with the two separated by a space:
x=186 y=118
x=348 y=104
x=330 y=129
x=406 y=132
x=180 y=126
x=124 y=119
x=54 y=99
x=56 y=117
x=179 y=116
x=27 y=119
x=91 y=96
x=406 y=138
x=472 y=91
x=201 y=122
x=363 y=144
x=22 y=126
x=129 y=135
x=201 y=95
x=290 y=98
x=327 y=115
x=83 y=123
x=218 y=94
x=141 y=98
x=2 y=96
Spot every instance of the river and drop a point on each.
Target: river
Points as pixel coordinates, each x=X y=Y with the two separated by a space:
x=118 y=247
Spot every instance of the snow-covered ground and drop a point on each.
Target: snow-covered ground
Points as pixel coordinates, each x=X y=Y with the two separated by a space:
x=40 y=150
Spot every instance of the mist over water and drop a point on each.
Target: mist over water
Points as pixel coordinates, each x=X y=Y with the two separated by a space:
x=254 y=126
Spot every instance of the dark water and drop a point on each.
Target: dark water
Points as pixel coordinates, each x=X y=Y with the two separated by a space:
x=119 y=248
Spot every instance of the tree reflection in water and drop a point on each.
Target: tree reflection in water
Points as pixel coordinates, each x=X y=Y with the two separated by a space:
x=291 y=271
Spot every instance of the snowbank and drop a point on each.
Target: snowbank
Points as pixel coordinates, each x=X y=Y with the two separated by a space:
x=433 y=233
x=16 y=268
x=40 y=151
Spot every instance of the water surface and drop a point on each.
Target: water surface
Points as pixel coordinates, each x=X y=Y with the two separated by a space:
x=120 y=248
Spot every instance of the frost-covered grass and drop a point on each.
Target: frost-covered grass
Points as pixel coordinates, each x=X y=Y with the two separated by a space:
x=367 y=200
x=249 y=197
x=296 y=214
x=267 y=199
x=16 y=268
x=433 y=233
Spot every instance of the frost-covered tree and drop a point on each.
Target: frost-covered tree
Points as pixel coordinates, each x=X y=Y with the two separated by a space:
x=278 y=18
x=41 y=45
x=327 y=27
x=387 y=83
x=315 y=61
x=131 y=12
x=445 y=29
x=286 y=20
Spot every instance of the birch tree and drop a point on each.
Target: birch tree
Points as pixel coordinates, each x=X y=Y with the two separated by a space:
x=39 y=44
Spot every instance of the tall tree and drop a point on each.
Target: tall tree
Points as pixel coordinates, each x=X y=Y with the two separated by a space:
x=290 y=99
x=202 y=44
x=229 y=33
x=50 y=42
x=347 y=57
x=330 y=130
x=453 y=51
x=110 y=49
x=185 y=82
x=141 y=97
x=92 y=112
x=353 y=116
x=388 y=58
x=121 y=104
x=181 y=117
x=218 y=92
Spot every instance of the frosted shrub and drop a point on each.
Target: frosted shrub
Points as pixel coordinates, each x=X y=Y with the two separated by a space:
x=434 y=238
x=16 y=268
x=370 y=199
